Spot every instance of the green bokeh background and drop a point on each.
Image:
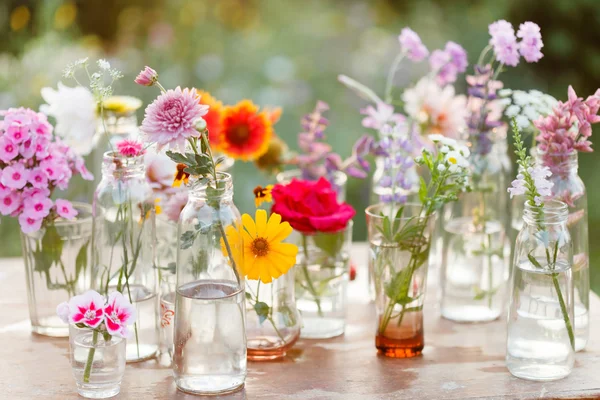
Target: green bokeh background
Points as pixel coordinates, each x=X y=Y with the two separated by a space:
x=288 y=54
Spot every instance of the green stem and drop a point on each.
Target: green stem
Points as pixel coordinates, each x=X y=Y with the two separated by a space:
x=90 y=358
x=563 y=308
x=309 y=282
x=390 y=78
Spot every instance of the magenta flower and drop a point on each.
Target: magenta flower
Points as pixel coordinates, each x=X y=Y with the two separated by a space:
x=41 y=148
x=18 y=132
x=65 y=209
x=130 y=148
x=504 y=42
x=118 y=313
x=37 y=207
x=38 y=178
x=384 y=114
x=9 y=203
x=531 y=41
x=8 y=149
x=171 y=118
x=27 y=148
x=14 y=176
x=63 y=312
x=29 y=224
x=87 y=309
x=410 y=43
x=147 y=77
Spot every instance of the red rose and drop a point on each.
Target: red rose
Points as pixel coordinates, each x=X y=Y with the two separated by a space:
x=311 y=206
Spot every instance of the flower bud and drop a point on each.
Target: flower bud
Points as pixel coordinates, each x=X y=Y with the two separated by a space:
x=200 y=125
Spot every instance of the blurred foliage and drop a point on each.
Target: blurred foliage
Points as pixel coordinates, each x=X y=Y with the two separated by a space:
x=286 y=53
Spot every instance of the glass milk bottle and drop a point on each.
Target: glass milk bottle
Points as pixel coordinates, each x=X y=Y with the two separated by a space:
x=540 y=340
x=569 y=188
x=209 y=354
x=124 y=246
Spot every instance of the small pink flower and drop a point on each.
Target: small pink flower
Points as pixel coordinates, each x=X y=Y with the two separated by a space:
x=38 y=178
x=9 y=203
x=62 y=310
x=531 y=41
x=130 y=148
x=8 y=149
x=81 y=169
x=50 y=168
x=411 y=44
x=504 y=42
x=17 y=132
x=37 y=207
x=32 y=192
x=118 y=314
x=41 y=148
x=29 y=224
x=147 y=77
x=87 y=309
x=376 y=118
x=27 y=148
x=14 y=176
x=65 y=209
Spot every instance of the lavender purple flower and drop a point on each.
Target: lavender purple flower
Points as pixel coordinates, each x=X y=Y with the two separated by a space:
x=448 y=63
x=396 y=147
x=411 y=45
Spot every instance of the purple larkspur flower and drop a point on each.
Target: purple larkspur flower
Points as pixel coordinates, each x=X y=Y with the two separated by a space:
x=410 y=43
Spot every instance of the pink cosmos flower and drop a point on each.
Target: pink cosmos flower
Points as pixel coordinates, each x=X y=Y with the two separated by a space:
x=8 y=149
x=147 y=77
x=38 y=178
x=411 y=44
x=14 y=176
x=504 y=42
x=29 y=224
x=118 y=314
x=9 y=203
x=377 y=118
x=63 y=312
x=171 y=118
x=87 y=309
x=65 y=209
x=130 y=148
x=531 y=41
x=37 y=207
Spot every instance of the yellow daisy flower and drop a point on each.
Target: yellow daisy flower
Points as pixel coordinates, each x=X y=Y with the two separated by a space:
x=262 y=195
x=180 y=176
x=264 y=256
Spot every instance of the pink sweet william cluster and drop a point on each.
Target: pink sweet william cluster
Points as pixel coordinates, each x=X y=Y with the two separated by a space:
x=570 y=125
x=33 y=163
x=91 y=310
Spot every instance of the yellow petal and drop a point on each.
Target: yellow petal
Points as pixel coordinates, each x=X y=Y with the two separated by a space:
x=281 y=233
x=286 y=249
x=272 y=225
x=261 y=222
x=249 y=225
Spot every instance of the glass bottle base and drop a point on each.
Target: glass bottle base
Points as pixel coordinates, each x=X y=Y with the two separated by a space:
x=51 y=331
x=400 y=348
x=322 y=328
x=98 y=391
x=210 y=384
x=146 y=352
x=470 y=314
x=263 y=348
x=537 y=372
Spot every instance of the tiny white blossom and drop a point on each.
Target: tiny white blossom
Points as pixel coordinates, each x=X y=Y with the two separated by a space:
x=512 y=111
x=103 y=64
x=444 y=149
x=441 y=167
x=522 y=121
x=505 y=92
x=436 y=137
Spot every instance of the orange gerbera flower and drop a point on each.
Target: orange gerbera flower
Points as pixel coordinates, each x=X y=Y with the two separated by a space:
x=246 y=132
x=214 y=118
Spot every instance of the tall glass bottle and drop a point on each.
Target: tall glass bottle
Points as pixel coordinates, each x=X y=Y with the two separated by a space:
x=124 y=246
x=210 y=336
x=540 y=341
x=476 y=251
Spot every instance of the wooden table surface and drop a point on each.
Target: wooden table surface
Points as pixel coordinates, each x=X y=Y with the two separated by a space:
x=460 y=361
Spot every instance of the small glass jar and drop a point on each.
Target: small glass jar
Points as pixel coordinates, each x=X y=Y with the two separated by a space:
x=272 y=320
x=540 y=341
x=322 y=273
x=338 y=182
x=119 y=126
x=398 y=261
x=98 y=364
x=124 y=247
x=57 y=266
x=569 y=188
x=209 y=354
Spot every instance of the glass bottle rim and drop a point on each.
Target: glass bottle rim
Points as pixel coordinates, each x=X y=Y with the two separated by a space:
x=198 y=184
x=554 y=212
x=131 y=161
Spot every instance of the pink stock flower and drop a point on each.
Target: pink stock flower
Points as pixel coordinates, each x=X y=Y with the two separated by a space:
x=130 y=148
x=62 y=310
x=171 y=118
x=87 y=309
x=531 y=41
x=8 y=149
x=9 y=203
x=147 y=77
x=38 y=178
x=15 y=176
x=376 y=118
x=37 y=207
x=29 y=224
x=504 y=42
x=65 y=209
x=411 y=44
x=118 y=314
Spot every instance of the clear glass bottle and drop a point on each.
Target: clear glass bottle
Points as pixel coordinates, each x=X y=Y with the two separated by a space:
x=124 y=247
x=210 y=335
x=322 y=274
x=98 y=365
x=475 y=257
x=569 y=188
x=57 y=266
x=398 y=262
x=540 y=341
x=273 y=322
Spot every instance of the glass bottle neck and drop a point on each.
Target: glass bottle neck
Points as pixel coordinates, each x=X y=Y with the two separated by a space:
x=201 y=189
x=121 y=167
x=553 y=212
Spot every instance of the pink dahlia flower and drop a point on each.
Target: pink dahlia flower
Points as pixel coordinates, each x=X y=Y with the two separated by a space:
x=147 y=77
x=118 y=313
x=130 y=148
x=171 y=118
x=87 y=309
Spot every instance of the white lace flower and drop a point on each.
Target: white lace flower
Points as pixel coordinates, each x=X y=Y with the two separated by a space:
x=512 y=111
x=103 y=64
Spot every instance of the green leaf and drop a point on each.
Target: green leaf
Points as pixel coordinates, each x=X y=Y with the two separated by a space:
x=289 y=317
x=262 y=310
x=397 y=222
x=52 y=243
x=397 y=288
x=422 y=191
x=106 y=336
x=330 y=243
x=177 y=157
x=187 y=239
x=81 y=260
x=172 y=267
x=248 y=296
x=43 y=262
x=220 y=159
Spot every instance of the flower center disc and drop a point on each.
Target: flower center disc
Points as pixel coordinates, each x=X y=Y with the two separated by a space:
x=260 y=247
x=239 y=134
